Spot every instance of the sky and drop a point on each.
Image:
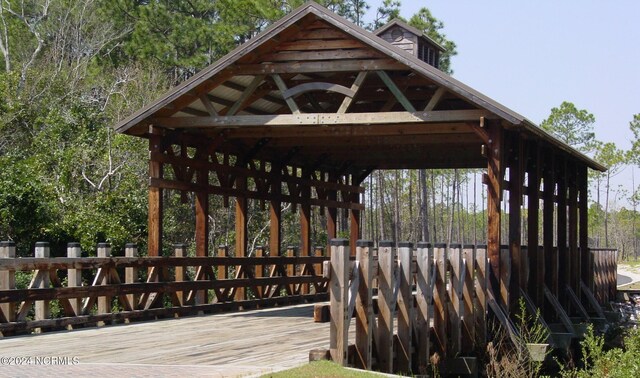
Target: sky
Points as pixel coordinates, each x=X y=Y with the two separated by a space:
x=532 y=55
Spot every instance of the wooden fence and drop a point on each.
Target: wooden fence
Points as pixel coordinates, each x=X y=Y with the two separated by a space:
x=605 y=279
x=102 y=289
x=431 y=299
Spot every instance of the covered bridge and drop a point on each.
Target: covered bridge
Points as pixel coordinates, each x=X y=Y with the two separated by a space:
x=306 y=110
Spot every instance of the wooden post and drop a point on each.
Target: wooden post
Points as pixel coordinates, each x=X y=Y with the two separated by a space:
x=318 y=252
x=104 y=302
x=275 y=212
x=550 y=271
x=155 y=194
x=332 y=212
x=495 y=174
x=43 y=309
x=241 y=231
x=424 y=293
x=563 y=255
x=468 y=321
x=518 y=275
x=482 y=277
x=131 y=273
x=202 y=208
x=8 y=279
x=339 y=288
x=180 y=250
x=305 y=224
x=364 y=306
x=354 y=220
x=259 y=271
x=223 y=251
x=583 y=238
x=574 y=254
x=291 y=268
x=455 y=295
x=74 y=277
x=386 y=284
x=536 y=261
x=405 y=308
x=440 y=307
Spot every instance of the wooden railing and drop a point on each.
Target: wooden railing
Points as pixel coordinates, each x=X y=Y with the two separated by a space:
x=605 y=278
x=434 y=292
x=103 y=289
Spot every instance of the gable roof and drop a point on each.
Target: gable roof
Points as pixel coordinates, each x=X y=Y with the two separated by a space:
x=404 y=25
x=136 y=123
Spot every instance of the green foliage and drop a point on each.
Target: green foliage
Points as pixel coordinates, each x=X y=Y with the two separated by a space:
x=572 y=126
x=615 y=362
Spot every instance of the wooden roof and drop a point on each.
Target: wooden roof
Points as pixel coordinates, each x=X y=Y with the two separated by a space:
x=325 y=92
x=404 y=25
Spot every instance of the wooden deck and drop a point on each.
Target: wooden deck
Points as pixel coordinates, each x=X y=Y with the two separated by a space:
x=223 y=345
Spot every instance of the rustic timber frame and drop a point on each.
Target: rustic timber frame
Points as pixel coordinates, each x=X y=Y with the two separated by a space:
x=306 y=110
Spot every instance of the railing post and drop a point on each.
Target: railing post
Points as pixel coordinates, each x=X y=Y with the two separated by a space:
x=131 y=273
x=180 y=250
x=405 y=307
x=468 y=321
x=455 y=295
x=8 y=279
x=43 y=308
x=74 y=276
x=364 y=305
x=259 y=271
x=424 y=293
x=482 y=278
x=291 y=269
x=223 y=251
x=386 y=283
x=440 y=303
x=339 y=288
x=104 y=302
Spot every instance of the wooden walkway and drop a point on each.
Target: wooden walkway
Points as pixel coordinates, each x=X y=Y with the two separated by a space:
x=222 y=345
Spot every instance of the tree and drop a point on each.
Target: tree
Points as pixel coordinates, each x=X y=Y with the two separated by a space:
x=609 y=155
x=386 y=12
x=431 y=26
x=572 y=126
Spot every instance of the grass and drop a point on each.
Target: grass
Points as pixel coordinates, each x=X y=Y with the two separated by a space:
x=321 y=369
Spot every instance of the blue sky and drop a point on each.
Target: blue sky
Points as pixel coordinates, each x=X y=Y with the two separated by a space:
x=533 y=55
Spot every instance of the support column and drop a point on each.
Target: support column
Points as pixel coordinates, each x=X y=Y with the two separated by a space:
x=574 y=254
x=155 y=195
x=536 y=261
x=551 y=261
x=518 y=277
x=354 y=220
x=275 y=212
x=332 y=213
x=495 y=174
x=202 y=209
x=563 y=260
x=305 y=223
x=587 y=264
x=241 y=230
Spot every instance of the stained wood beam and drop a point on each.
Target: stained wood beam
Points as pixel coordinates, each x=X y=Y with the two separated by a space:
x=155 y=195
x=257 y=80
x=265 y=96
x=402 y=99
x=317 y=86
x=435 y=99
x=495 y=173
x=208 y=105
x=283 y=89
x=311 y=119
x=320 y=66
x=355 y=87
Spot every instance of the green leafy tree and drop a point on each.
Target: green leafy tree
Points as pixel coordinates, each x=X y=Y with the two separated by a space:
x=387 y=11
x=572 y=126
x=614 y=158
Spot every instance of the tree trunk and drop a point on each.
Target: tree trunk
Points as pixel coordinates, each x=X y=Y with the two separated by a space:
x=424 y=206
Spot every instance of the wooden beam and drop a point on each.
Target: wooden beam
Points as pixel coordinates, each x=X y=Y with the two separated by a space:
x=518 y=273
x=536 y=262
x=208 y=105
x=561 y=223
x=257 y=80
x=551 y=261
x=402 y=99
x=332 y=212
x=319 y=66
x=155 y=195
x=435 y=99
x=275 y=212
x=585 y=257
x=305 y=223
x=495 y=173
x=241 y=229
x=283 y=89
x=574 y=253
x=355 y=87
x=317 y=86
x=202 y=209
x=313 y=119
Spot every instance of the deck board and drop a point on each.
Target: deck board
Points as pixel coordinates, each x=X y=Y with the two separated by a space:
x=233 y=344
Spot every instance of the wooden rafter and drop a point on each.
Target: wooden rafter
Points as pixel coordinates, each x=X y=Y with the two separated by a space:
x=355 y=87
x=310 y=119
x=283 y=89
x=257 y=80
x=399 y=95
